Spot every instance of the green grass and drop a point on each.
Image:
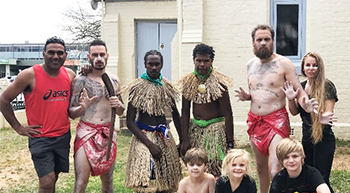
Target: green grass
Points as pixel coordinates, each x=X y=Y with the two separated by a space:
x=14 y=152
x=342 y=143
x=340 y=181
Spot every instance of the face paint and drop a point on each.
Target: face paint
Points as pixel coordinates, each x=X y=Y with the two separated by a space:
x=195 y=168
x=98 y=61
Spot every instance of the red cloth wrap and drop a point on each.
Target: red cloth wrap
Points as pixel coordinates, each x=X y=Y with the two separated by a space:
x=94 y=139
x=262 y=129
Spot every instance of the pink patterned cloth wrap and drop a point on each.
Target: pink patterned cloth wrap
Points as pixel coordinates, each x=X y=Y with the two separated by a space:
x=262 y=129
x=94 y=139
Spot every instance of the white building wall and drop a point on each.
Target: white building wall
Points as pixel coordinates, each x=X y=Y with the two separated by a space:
x=118 y=31
x=327 y=32
x=226 y=25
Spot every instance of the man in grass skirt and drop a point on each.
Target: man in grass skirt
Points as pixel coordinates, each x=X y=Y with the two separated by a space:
x=212 y=125
x=153 y=162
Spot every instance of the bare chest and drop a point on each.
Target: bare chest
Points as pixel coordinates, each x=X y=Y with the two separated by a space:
x=265 y=75
x=198 y=188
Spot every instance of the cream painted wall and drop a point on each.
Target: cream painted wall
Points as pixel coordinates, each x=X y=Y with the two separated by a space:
x=226 y=26
x=118 y=31
x=327 y=32
x=20 y=115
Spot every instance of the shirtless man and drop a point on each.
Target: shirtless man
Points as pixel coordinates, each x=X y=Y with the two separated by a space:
x=212 y=125
x=268 y=121
x=90 y=101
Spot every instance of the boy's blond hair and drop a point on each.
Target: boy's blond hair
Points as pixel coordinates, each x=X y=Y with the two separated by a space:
x=287 y=146
x=196 y=155
x=231 y=156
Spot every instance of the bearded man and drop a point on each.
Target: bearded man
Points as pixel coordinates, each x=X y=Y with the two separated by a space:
x=268 y=121
x=91 y=102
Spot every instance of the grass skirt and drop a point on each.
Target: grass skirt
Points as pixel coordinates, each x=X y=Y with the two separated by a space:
x=213 y=140
x=167 y=170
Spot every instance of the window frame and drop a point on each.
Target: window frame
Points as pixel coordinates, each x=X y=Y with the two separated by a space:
x=296 y=60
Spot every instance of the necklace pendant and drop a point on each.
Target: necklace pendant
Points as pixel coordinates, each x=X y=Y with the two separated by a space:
x=201 y=88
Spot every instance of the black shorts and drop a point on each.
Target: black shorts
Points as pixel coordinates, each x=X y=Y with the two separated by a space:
x=50 y=154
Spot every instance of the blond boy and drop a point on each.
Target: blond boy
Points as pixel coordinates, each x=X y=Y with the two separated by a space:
x=296 y=176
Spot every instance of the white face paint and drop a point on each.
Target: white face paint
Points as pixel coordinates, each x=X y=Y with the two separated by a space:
x=99 y=58
x=195 y=170
x=99 y=63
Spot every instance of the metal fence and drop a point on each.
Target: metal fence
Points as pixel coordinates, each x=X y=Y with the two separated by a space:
x=18 y=103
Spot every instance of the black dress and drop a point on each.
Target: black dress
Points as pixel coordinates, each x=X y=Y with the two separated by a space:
x=247 y=185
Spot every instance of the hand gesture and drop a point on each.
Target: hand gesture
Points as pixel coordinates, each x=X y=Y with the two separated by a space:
x=84 y=101
x=309 y=105
x=29 y=130
x=289 y=91
x=327 y=118
x=242 y=95
x=155 y=151
x=114 y=102
x=85 y=70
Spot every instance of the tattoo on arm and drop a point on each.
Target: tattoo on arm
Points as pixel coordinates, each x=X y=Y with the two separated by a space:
x=77 y=87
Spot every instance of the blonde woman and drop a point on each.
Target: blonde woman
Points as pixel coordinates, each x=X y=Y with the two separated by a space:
x=235 y=173
x=318 y=138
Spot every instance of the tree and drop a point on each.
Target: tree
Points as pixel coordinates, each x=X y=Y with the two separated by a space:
x=83 y=23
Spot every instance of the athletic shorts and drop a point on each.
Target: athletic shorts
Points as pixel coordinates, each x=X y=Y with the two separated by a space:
x=50 y=154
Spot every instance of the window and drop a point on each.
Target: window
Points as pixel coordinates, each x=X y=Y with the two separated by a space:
x=16 y=49
x=4 y=49
x=36 y=49
x=25 y=48
x=288 y=18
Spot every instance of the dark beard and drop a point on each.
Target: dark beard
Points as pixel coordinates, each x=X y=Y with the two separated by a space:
x=92 y=66
x=263 y=54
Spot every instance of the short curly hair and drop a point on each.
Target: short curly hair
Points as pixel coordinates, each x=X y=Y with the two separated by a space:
x=203 y=49
x=55 y=40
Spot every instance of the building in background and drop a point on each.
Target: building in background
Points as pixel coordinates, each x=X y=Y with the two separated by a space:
x=301 y=26
x=16 y=57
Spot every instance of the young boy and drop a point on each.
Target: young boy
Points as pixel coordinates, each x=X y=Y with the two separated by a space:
x=196 y=160
x=296 y=176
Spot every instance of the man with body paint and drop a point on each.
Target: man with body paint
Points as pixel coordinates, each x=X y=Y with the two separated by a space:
x=91 y=102
x=268 y=121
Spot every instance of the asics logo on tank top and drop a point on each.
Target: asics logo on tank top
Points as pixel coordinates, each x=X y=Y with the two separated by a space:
x=56 y=94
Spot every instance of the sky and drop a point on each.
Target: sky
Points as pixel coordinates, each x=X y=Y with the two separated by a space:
x=34 y=20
